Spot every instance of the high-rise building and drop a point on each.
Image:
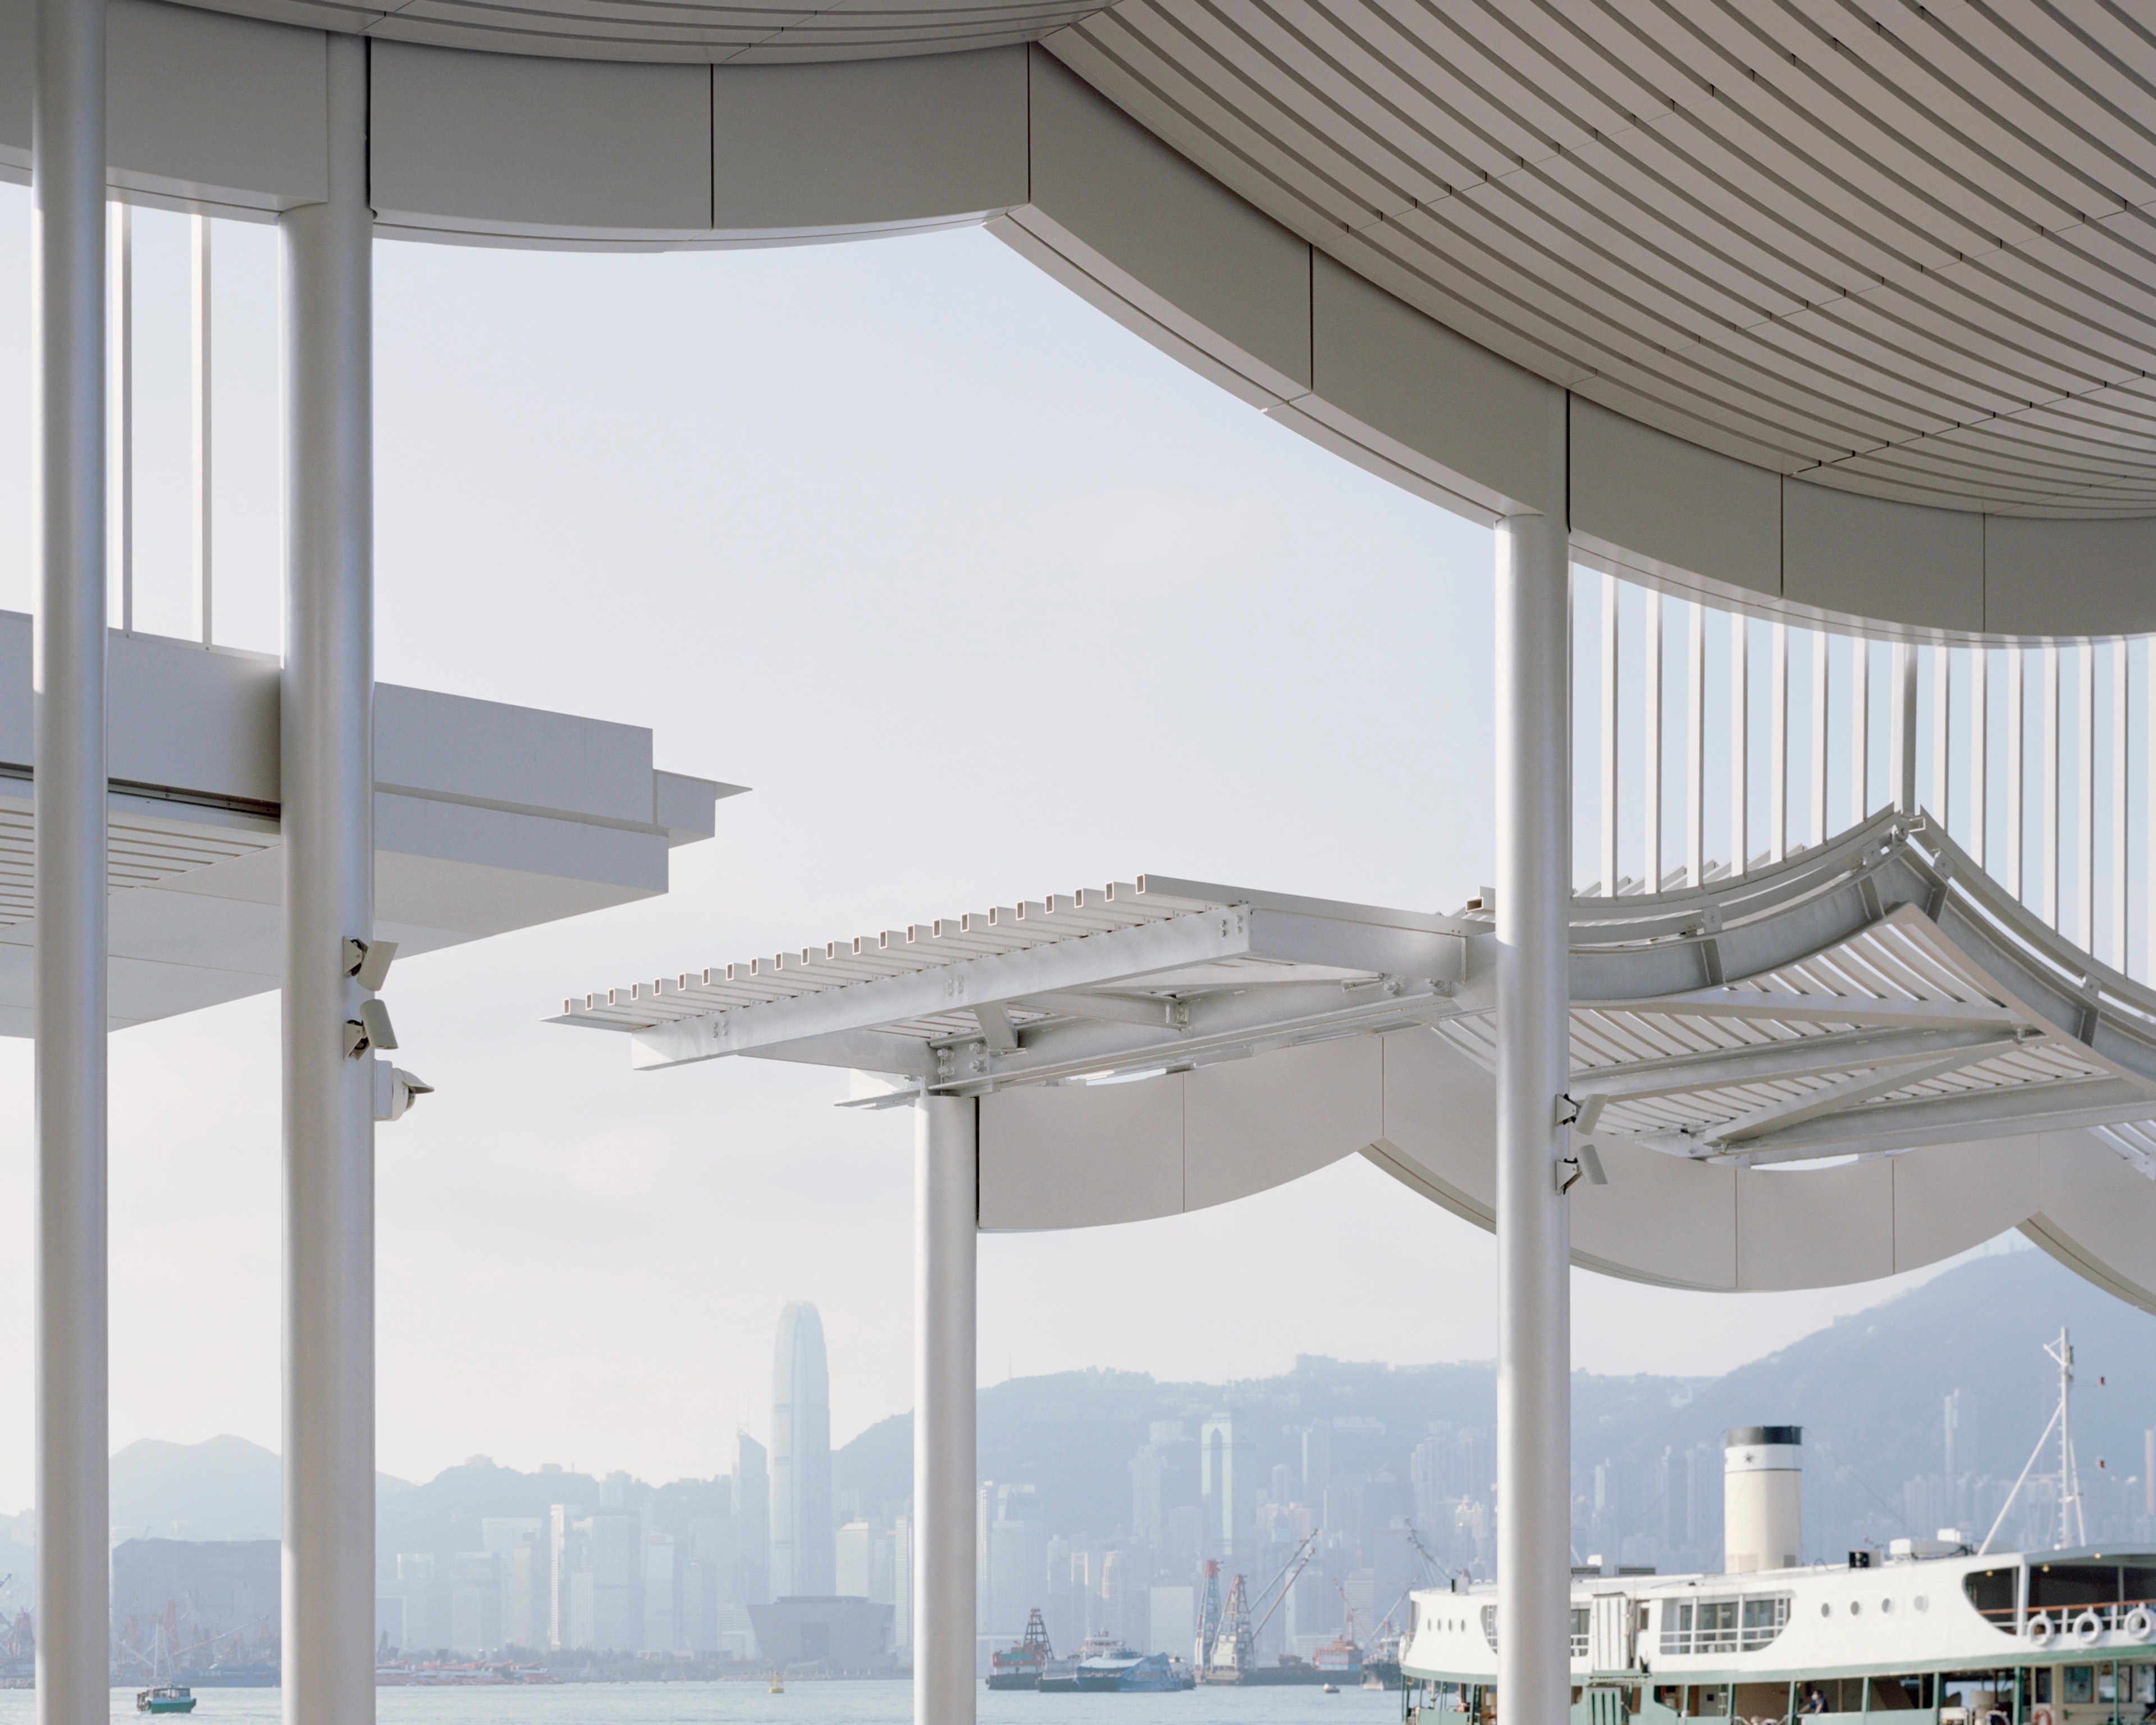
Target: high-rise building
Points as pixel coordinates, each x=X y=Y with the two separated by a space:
x=902 y=1566
x=751 y=1582
x=1226 y=1487
x=566 y=1531
x=1317 y=1460
x=1148 y=1467
x=804 y=1558
x=856 y=1550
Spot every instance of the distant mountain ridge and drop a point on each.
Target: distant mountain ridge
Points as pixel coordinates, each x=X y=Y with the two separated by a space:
x=1869 y=1390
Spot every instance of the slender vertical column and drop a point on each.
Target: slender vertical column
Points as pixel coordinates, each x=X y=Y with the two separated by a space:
x=121 y=432
x=2117 y=944
x=2048 y=720
x=199 y=369
x=1819 y=640
x=1650 y=774
x=1941 y=734
x=1860 y=730
x=2017 y=750
x=946 y=1220
x=1778 y=744
x=1695 y=748
x=1608 y=729
x=1534 y=1543
x=1740 y=745
x=1979 y=749
x=2084 y=816
x=1901 y=729
x=328 y=780
x=68 y=191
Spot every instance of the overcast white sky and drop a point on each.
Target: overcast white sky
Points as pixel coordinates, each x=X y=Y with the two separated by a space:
x=986 y=598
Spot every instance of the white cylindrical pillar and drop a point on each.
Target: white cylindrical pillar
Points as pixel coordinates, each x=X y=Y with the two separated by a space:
x=1534 y=857
x=328 y=790
x=946 y=1214
x=68 y=189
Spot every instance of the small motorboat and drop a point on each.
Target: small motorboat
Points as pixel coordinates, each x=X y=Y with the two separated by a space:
x=1330 y=1689
x=165 y=1698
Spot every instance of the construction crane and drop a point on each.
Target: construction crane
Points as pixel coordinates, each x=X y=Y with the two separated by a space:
x=1286 y=1580
x=1209 y=1616
x=1232 y=1647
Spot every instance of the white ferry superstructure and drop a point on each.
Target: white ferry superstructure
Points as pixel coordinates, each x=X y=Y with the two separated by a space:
x=2064 y=1637
x=1945 y=1632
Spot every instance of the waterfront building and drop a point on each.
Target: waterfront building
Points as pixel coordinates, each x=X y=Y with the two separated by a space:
x=901 y=1565
x=856 y=1552
x=663 y=1625
x=615 y=1552
x=802 y=1555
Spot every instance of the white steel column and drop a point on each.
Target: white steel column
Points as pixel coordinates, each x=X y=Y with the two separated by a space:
x=2017 y=747
x=1650 y=774
x=1608 y=728
x=1819 y=640
x=1696 y=746
x=1979 y=750
x=198 y=260
x=1901 y=728
x=1778 y=743
x=68 y=191
x=1740 y=746
x=946 y=1220
x=1859 y=729
x=1534 y=846
x=328 y=789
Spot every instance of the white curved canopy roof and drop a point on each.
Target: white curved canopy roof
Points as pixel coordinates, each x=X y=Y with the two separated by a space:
x=1906 y=254
x=1857 y=1062
x=1847 y=318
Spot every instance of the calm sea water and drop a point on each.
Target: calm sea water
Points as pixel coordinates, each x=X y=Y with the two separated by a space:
x=803 y=1703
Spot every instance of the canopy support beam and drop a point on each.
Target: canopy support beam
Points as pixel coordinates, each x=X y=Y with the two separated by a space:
x=328 y=823
x=947 y=1219
x=1534 y=856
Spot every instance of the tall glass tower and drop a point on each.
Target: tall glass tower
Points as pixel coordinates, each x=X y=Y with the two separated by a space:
x=803 y=1551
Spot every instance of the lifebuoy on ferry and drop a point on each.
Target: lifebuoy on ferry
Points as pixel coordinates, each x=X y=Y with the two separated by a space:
x=2141 y=1624
x=2042 y=1716
x=2040 y=1632
x=2088 y=1629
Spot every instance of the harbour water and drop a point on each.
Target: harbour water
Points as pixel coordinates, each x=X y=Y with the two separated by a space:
x=803 y=1703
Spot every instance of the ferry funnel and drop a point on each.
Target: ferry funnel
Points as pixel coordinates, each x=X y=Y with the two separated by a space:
x=1762 y=1476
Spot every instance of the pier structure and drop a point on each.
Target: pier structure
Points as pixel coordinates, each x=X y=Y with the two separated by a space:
x=1828 y=328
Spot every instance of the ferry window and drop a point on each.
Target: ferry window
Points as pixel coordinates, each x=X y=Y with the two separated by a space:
x=1714 y=1626
x=1991 y=1591
x=2081 y=1682
x=1763 y=1619
x=2140 y=1588
x=2144 y=1683
x=2070 y=1585
x=1676 y=1626
x=2107 y=1683
x=1489 y=1626
x=1579 y=1616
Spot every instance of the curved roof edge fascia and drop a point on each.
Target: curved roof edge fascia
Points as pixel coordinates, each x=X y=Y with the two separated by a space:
x=214 y=111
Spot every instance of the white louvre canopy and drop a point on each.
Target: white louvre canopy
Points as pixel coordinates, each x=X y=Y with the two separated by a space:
x=1751 y=1059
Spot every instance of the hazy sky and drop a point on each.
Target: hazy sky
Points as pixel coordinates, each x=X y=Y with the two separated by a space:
x=987 y=599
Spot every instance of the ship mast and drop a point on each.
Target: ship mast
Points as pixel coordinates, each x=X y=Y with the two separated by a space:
x=2073 y=1526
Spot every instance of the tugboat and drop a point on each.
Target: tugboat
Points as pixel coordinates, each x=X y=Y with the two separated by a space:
x=1020 y=1667
x=165 y=1698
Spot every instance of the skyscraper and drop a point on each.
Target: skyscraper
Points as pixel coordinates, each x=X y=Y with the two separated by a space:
x=804 y=1555
x=1225 y=1465
x=751 y=1582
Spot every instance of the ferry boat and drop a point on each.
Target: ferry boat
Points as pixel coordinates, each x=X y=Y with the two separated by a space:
x=1156 y=1674
x=1946 y=1631
x=2058 y=1637
x=165 y=1698
x=1101 y=1664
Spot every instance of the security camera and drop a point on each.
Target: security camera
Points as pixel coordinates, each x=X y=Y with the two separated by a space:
x=367 y=962
x=394 y=1089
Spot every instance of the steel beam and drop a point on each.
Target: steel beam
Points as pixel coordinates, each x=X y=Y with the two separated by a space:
x=328 y=793
x=1534 y=854
x=1800 y=1057
x=946 y=1214
x=68 y=191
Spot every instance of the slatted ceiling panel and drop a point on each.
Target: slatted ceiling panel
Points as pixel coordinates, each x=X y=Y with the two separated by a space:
x=1857 y=158
x=138 y=853
x=1392 y=164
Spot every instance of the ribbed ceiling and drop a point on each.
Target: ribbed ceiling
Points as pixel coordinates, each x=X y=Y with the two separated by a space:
x=1903 y=249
